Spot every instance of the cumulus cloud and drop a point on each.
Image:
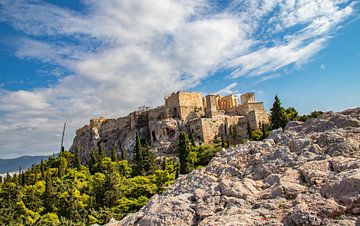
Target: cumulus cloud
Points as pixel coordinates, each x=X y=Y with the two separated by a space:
x=122 y=54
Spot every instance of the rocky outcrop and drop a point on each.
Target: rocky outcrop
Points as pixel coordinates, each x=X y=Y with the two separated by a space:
x=308 y=174
x=121 y=133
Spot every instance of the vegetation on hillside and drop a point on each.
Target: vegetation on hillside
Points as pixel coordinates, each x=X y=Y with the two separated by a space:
x=62 y=191
x=279 y=117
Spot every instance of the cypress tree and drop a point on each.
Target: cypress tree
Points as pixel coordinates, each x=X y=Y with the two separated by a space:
x=42 y=168
x=20 y=176
x=76 y=161
x=114 y=156
x=227 y=143
x=249 y=129
x=263 y=130
x=184 y=153
x=93 y=160
x=278 y=115
x=223 y=142
x=148 y=162
x=139 y=157
x=49 y=194
x=123 y=154
x=61 y=167
x=138 y=150
x=192 y=139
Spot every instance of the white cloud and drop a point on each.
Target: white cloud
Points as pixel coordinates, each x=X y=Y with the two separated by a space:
x=323 y=66
x=227 y=90
x=124 y=54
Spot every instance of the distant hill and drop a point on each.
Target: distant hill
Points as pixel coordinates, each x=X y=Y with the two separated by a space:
x=12 y=165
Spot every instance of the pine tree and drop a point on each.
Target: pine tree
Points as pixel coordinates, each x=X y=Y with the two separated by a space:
x=184 y=153
x=114 y=156
x=278 y=115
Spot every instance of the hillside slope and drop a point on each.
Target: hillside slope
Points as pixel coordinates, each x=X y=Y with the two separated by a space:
x=307 y=175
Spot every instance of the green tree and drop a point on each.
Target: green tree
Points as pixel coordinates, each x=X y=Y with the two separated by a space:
x=291 y=114
x=49 y=194
x=264 y=131
x=278 y=115
x=111 y=188
x=76 y=161
x=148 y=162
x=192 y=139
x=94 y=158
x=123 y=154
x=61 y=166
x=138 y=159
x=184 y=153
x=138 y=150
x=42 y=168
x=114 y=156
x=248 y=129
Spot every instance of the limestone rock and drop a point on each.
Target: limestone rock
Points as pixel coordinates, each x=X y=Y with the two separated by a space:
x=308 y=174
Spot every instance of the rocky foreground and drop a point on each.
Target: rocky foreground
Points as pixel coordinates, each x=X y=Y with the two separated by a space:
x=307 y=175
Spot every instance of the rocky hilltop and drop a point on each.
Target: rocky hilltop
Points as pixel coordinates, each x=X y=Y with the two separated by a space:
x=308 y=174
x=206 y=118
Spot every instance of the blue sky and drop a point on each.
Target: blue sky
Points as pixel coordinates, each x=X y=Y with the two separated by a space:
x=75 y=60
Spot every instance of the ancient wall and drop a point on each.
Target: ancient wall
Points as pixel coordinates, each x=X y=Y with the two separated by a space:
x=195 y=126
x=96 y=122
x=158 y=113
x=172 y=103
x=247 y=98
x=242 y=128
x=228 y=103
x=257 y=118
x=212 y=106
x=185 y=105
x=212 y=128
x=244 y=109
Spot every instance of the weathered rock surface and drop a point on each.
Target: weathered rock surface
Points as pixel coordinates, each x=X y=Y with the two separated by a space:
x=121 y=133
x=307 y=175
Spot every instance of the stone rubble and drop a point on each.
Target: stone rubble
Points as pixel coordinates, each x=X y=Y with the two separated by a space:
x=307 y=175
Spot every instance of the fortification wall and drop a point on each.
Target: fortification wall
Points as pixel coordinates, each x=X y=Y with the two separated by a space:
x=244 y=109
x=257 y=118
x=185 y=105
x=228 y=103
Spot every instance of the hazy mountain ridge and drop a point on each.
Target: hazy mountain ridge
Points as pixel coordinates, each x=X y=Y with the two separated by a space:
x=25 y=162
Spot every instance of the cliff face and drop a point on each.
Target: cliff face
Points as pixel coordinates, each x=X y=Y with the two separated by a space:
x=121 y=133
x=307 y=175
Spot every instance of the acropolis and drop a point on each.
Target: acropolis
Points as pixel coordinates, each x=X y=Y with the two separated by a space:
x=205 y=118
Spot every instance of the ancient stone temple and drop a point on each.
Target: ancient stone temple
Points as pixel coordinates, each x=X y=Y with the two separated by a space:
x=206 y=118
